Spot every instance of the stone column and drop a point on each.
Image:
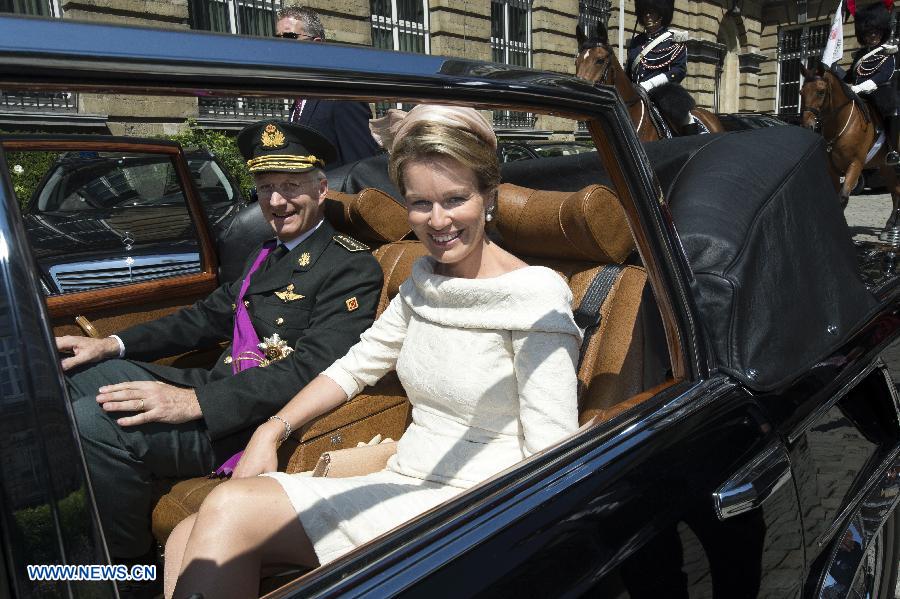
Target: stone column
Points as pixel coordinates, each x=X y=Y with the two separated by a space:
x=460 y=28
x=553 y=49
x=129 y=114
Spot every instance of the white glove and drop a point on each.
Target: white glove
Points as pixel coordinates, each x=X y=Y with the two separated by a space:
x=654 y=82
x=864 y=87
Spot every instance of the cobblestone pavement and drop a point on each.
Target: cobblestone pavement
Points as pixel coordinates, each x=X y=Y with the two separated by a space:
x=866 y=215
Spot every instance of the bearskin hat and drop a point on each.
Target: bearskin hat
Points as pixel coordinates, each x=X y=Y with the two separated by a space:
x=872 y=17
x=665 y=8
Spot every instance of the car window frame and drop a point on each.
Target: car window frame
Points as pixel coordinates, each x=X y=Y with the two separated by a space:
x=194 y=284
x=301 y=73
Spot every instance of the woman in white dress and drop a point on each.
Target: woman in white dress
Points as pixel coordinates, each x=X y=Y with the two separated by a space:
x=485 y=346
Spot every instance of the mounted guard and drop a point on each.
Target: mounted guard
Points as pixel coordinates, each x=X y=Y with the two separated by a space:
x=872 y=71
x=657 y=61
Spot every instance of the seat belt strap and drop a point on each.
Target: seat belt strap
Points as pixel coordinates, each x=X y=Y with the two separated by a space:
x=587 y=315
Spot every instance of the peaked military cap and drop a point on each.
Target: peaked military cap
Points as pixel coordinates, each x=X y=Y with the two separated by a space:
x=664 y=8
x=280 y=147
x=873 y=17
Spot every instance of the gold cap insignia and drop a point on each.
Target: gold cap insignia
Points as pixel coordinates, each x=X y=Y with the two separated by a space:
x=352 y=304
x=271 y=137
x=303 y=260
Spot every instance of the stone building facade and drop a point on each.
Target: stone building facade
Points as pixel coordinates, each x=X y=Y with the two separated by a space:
x=744 y=55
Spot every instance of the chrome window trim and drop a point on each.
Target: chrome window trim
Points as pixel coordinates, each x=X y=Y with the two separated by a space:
x=823 y=407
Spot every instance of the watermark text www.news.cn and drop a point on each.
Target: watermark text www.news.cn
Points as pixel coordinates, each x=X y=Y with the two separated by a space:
x=117 y=572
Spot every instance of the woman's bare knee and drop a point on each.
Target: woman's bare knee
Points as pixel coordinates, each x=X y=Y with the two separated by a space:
x=232 y=511
x=175 y=547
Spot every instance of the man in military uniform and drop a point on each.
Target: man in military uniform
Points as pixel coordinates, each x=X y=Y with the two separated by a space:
x=303 y=301
x=872 y=71
x=657 y=61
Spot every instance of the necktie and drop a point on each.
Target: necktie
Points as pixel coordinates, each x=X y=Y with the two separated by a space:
x=296 y=110
x=277 y=254
x=280 y=252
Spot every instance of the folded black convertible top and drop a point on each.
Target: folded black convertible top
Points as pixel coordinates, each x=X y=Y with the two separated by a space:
x=777 y=278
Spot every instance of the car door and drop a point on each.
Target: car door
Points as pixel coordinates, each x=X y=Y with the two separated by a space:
x=116 y=226
x=47 y=512
x=627 y=509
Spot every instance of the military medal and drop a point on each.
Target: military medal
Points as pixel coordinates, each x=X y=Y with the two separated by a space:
x=303 y=260
x=288 y=294
x=274 y=348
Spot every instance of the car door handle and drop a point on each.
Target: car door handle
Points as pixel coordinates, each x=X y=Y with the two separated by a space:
x=754 y=483
x=87 y=326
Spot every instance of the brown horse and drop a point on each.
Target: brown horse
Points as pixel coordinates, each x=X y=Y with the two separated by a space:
x=597 y=63
x=849 y=129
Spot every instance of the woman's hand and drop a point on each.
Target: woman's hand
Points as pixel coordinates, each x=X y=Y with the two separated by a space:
x=260 y=455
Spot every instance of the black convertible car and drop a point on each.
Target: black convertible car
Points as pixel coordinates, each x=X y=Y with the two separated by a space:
x=739 y=429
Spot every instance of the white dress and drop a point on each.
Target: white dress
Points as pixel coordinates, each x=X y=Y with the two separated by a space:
x=489 y=368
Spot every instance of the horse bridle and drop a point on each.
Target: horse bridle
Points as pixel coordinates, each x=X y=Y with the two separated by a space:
x=601 y=80
x=816 y=112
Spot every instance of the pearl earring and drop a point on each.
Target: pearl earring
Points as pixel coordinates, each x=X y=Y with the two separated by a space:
x=488 y=217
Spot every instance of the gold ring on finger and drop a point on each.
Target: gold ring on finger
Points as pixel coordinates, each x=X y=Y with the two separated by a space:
x=141 y=409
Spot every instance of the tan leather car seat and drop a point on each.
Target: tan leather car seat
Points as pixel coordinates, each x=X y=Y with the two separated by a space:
x=576 y=234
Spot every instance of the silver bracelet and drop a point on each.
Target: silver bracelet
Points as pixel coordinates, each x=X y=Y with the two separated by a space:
x=287 y=428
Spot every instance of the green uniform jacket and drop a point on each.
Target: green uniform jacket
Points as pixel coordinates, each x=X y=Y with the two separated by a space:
x=321 y=326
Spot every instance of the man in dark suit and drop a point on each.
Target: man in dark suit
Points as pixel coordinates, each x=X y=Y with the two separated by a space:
x=346 y=124
x=303 y=301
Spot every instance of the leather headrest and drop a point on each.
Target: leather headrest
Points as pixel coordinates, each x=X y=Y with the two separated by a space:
x=584 y=225
x=370 y=215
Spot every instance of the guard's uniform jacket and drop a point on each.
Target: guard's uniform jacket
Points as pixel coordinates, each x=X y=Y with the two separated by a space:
x=336 y=285
x=667 y=58
x=876 y=65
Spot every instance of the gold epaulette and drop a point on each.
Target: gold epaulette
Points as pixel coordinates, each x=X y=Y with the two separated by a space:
x=350 y=244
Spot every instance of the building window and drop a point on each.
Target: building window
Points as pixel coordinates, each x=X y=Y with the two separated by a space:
x=23 y=101
x=797 y=46
x=511 y=32
x=246 y=17
x=399 y=25
x=593 y=12
x=38 y=102
x=511 y=44
x=38 y=8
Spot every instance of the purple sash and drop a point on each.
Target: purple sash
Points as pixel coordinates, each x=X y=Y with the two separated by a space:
x=245 y=341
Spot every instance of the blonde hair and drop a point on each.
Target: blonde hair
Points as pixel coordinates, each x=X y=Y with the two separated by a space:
x=430 y=139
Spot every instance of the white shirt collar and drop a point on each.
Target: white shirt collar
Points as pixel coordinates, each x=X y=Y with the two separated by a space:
x=290 y=245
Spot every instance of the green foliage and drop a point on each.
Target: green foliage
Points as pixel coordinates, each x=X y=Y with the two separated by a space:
x=36 y=526
x=222 y=147
x=26 y=169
